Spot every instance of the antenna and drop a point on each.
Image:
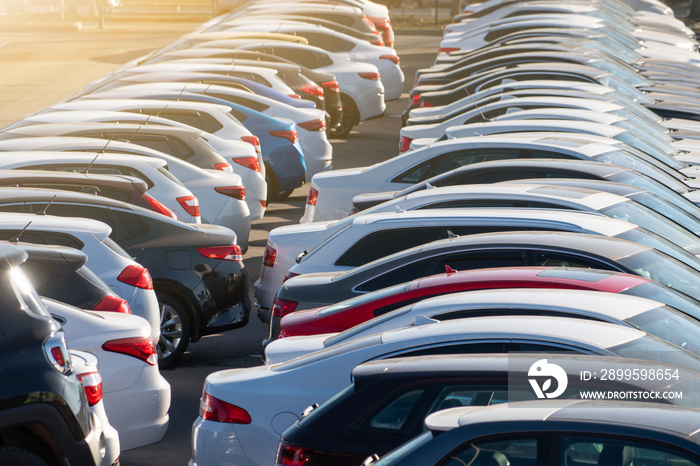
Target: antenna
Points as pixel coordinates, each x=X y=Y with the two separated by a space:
x=87 y=169
x=16 y=238
x=483 y=117
x=180 y=94
x=138 y=129
x=43 y=212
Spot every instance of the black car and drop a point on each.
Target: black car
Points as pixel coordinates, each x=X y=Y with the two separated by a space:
x=388 y=400
x=44 y=416
x=60 y=273
x=197 y=269
x=555 y=432
x=497 y=171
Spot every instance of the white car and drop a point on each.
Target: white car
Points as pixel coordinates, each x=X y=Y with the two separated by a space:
x=226 y=135
x=136 y=397
x=310 y=126
x=384 y=58
x=285 y=244
x=85 y=368
x=614 y=308
x=222 y=193
x=244 y=411
x=126 y=277
x=331 y=193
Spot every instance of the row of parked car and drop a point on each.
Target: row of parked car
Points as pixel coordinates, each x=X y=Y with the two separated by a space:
x=544 y=200
x=126 y=209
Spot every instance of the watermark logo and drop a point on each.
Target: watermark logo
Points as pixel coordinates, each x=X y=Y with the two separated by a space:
x=541 y=375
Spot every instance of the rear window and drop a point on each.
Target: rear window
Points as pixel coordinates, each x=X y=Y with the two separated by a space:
x=80 y=288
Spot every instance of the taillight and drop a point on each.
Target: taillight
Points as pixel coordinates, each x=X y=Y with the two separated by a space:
x=214 y=409
x=294 y=96
x=112 y=304
x=190 y=204
x=236 y=192
x=137 y=276
x=313 y=89
x=370 y=76
x=368 y=21
x=292 y=455
x=331 y=86
x=158 y=207
x=314 y=125
x=404 y=144
x=283 y=333
x=92 y=384
x=282 y=307
x=290 y=134
x=224 y=167
x=414 y=102
x=424 y=104
x=312 y=197
x=378 y=41
x=57 y=353
x=270 y=256
x=225 y=253
x=448 y=49
x=142 y=348
x=252 y=163
x=254 y=141
x=393 y=58
x=289 y=275
x=263 y=203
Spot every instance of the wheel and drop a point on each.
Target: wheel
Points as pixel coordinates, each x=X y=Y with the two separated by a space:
x=20 y=457
x=175 y=330
x=347 y=121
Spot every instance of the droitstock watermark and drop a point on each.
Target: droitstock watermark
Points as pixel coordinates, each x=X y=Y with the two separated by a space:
x=560 y=376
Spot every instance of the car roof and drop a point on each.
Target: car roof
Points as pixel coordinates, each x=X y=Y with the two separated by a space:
x=418 y=218
x=544 y=125
x=658 y=417
x=79 y=157
x=47 y=253
x=556 y=329
x=43 y=129
x=93 y=144
x=18 y=221
x=126 y=102
x=70 y=177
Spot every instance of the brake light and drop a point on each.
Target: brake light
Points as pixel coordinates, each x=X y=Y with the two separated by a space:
x=404 y=144
x=92 y=384
x=294 y=96
x=142 y=348
x=282 y=307
x=331 y=86
x=313 y=89
x=57 y=353
x=263 y=203
x=254 y=141
x=424 y=104
x=225 y=253
x=224 y=167
x=448 y=49
x=312 y=197
x=252 y=163
x=290 y=134
x=314 y=125
x=370 y=76
x=414 y=102
x=190 y=204
x=136 y=275
x=378 y=41
x=270 y=256
x=283 y=333
x=393 y=58
x=289 y=275
x=236 y=192
x=112 y=304
x=158 y=207
x=213 y=409
x=291 y=455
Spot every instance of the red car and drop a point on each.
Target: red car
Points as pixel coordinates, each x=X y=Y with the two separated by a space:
x=346 y=314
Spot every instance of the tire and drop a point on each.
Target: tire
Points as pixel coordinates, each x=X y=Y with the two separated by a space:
x=273 y=186
x=20 y=457
x=175 y=330
x=348 y=120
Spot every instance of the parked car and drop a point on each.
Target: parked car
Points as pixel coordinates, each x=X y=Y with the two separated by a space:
x=508 y=249
x=136 y=396
x=597 y=431
x=254 y=420
x=343 y=315
x=196 y=269
x=387 y=401
x=44 y=413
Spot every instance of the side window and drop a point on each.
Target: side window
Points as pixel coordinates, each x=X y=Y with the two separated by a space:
x=517 y=451
x=488 y=203
x=190 y=118
x=36 y=237
x=480 y=260
x=74 y=210
x=415 y=174
x=156 y=143
x=250 y=103
x=538 y=154
x=182 y=150
x=240 y=116
x=128 y=226
x=391 y=418
x=556 y=259
x=496 y=176
x=567 y=174
x=251 y=77
x=383 y=243
x=39 y=274
x=457 y=348
x=459 y=159
x=401 y=275
x=607 y=451
x=454 y=396
x=303 y=57
x=12 y=208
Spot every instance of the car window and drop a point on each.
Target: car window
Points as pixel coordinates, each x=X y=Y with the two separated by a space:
x=109 y=242
x=559 y=259
x=481 y=259
x=105 y=191
x=38 y=237
x=250 y=103
x=19 y=207
x=65 y=285
x=516 y=451
x=496 y=176
x=240 y=116
x=101 y=169
x=250 y=77
x=452 y=160
x=392 y=417
x=455 y=348
x=328 y=42
x=610 y=451
x=382 y=243
x=454 y=396
x=488 y=203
